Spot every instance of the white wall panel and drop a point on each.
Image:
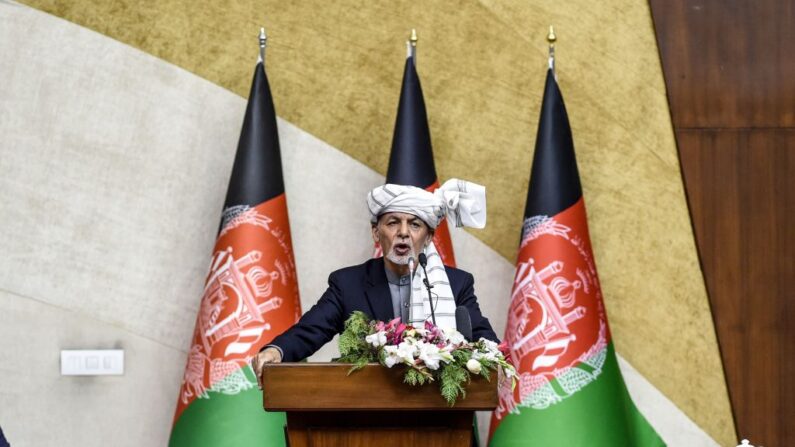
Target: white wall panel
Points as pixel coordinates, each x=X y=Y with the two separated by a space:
x=39 y=407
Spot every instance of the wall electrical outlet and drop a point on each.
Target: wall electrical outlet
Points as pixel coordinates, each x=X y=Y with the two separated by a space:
x=97 y=362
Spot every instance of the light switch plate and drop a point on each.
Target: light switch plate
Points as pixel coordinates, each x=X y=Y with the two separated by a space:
x=92 y=362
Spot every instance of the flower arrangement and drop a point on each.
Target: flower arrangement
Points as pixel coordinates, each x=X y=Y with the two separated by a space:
x=429 y=354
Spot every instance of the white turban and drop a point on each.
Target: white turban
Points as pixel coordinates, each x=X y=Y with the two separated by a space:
x=464 y=203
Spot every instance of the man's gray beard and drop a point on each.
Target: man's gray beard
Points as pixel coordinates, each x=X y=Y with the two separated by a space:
x=400 y=260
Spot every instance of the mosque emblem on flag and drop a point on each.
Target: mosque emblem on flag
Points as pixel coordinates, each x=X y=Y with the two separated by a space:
x=241 y=288
x=556 y=327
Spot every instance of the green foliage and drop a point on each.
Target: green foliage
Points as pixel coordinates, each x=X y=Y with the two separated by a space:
x=348 y=345
x=358 y=324
x=453 y=378
x=351 y=341
x=353 y=347
x=488 y=365
x=358 y=364
x=414 y=377
x=485 y=369
x=462 y=355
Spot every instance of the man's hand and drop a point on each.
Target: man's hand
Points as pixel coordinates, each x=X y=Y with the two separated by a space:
x=269 y=355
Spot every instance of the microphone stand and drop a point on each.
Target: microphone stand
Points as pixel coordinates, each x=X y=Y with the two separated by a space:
x=423 y=262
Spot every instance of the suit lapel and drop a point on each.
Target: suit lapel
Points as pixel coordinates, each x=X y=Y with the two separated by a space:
x=377 y=290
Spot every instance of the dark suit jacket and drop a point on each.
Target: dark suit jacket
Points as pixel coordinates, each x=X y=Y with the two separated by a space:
x=364 y=287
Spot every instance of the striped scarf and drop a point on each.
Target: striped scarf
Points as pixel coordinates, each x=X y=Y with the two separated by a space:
x=441 y=293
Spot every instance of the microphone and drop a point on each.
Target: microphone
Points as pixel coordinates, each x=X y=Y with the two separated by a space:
x=463 y=322
x=412 y=267
x=423 y=262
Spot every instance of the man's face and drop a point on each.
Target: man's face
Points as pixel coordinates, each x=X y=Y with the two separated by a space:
x=401 y=236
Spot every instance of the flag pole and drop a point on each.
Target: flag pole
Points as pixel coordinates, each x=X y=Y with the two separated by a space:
x=552 y=38
x=263 y=42
x=411 y=46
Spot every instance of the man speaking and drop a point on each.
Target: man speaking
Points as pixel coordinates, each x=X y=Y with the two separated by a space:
x=409 y=281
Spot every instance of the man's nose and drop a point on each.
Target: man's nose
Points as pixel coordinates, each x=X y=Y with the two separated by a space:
x=403 y=230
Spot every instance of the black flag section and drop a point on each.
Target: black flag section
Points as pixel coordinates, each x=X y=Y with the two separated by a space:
x=257 y=172
x=411 y=159
x=554 y=179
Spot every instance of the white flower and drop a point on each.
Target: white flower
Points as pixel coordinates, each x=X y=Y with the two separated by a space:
x=489 y=351
x=473 y=366
x=377 y=339
x=391 y=357
x=488 y=355
x=407 y=352
x=445 y=354
x=402 y=353
x=489 y=345
x=429 y=354
x=452 y=336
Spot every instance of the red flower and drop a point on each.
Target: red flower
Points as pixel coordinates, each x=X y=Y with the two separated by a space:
x=506 y=351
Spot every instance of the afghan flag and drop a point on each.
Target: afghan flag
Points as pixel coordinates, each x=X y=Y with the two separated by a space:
x=411 y=158
x=570 y=391
x=250 y=295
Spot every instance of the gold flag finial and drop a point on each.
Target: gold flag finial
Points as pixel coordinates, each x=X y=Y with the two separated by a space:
x=551 y=37
x=411 y=46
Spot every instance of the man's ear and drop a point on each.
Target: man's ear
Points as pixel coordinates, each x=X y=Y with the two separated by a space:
x=429 y=239
x=374 y=231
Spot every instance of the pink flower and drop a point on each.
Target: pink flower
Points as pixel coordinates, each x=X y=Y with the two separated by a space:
x=393 y=323
x=398 y=335
x=433 y=334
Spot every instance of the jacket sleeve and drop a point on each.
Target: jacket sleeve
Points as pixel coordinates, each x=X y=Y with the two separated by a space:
x=315 y=328
x=480 y=324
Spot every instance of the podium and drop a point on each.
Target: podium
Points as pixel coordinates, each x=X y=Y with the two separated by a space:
x=371 y=407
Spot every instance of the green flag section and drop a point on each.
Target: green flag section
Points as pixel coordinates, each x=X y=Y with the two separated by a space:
x=601 y=414
x=569 y=389
x=229 y=420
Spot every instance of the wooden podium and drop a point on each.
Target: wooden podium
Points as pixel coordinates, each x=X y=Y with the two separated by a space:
x=370 y=407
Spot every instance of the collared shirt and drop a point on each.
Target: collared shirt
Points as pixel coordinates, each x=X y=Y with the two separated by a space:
x=400 y=290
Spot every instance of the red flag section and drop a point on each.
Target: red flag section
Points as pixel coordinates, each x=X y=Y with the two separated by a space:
x=250 y=296
x=556 y=318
